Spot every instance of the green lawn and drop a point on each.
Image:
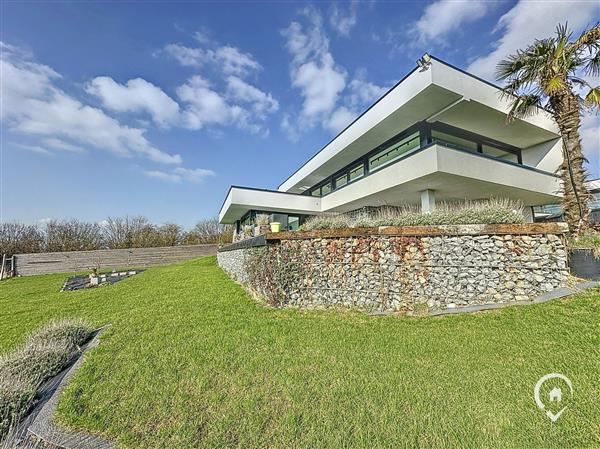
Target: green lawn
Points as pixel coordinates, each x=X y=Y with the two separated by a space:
x=192 y=361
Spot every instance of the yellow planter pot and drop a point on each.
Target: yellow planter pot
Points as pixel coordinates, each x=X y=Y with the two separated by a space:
x=275 y=226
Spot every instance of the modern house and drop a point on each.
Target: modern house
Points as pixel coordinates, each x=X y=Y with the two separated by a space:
x=440 y=134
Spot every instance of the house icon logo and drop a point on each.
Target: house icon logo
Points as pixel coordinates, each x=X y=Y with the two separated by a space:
x=555 y=395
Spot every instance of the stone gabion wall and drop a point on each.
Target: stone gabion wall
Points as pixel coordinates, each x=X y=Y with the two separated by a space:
x=413 y=273
x=235 y=263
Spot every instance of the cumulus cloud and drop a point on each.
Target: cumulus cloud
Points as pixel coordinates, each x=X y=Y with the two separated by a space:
x=359 y=94
x=442 y=17
x=221 y=95
x=204 y=105
x=180 y=174
x=35 y=106
x=137 y=95
x=327 y=98
x=313 y=70
x=235 y=62
x=231 y=60
x=528 y=21
x=186 y=56
x=343 y=20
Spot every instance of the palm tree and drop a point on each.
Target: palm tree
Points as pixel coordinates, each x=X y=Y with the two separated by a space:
x=546 y=75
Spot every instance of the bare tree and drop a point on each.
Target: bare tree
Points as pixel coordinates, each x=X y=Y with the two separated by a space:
x=72 y=235
x=18 y=238
x=170 y=234
x=128 y=232
x=208 y=231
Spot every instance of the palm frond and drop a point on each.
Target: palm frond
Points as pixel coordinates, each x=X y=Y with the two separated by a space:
x=524 y=106
x=580 y=81
x=592 y=64
x=553 y=85
x=590 y=38
x=593 y=97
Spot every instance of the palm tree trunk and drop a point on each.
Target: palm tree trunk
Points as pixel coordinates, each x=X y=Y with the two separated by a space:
x=572 y=171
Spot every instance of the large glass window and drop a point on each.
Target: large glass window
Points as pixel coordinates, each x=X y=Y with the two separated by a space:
x=357 y=172
x=500 y=154
x=293 y=223
x=394 y=152
x=595 y=202
x=425 y=132
x=459 y=142
x=341 y=180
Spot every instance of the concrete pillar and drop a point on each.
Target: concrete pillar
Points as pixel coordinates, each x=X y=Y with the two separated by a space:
x=427 y=201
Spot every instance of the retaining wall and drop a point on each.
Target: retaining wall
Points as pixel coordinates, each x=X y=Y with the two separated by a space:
x=404 y=269
x=69 y=261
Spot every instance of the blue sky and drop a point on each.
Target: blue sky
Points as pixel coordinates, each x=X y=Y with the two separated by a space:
x=156 y=108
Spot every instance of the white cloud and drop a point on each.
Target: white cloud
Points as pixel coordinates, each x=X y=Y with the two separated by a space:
x=261 y=102
x=321 y=84
x=34 y=149
x=343 y=21
x=35 y=106
x=364 y=93
x=229 y=100
x=194 y=174
x=180 y=174
x=204 y=105
x=328 y=99
x=228 y=59
x=58 y=144
x=341 y=118
x=235 y=62
x=186 y=56
x=241 y=104
x=137 y=95
x=163 y=176
x=359 y=95
x=313 y=69
x=445 y=16
x=528 y=21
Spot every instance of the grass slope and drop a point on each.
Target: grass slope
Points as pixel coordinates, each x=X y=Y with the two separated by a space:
x=192 y=361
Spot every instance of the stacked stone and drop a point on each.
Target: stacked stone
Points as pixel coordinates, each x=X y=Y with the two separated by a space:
x=402 y=273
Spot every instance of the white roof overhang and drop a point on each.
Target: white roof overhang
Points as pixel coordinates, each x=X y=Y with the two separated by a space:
x=440 y=93
x=454 y=175
x=240 y=200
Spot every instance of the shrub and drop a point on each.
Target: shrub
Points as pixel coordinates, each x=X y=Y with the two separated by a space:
x=16 y=396
x=262 y=219
x=45 y=353
x=495 y=211
x=327 y=221
x=589 y=240
x=72 y=331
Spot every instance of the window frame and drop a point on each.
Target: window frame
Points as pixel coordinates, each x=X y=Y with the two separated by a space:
x=424 y=130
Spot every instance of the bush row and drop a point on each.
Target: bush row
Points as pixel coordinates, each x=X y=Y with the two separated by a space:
x=119 y=232
x=495 y=211
x=45 y=353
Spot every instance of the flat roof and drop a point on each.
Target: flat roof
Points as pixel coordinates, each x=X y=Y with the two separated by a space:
x=442 y=90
